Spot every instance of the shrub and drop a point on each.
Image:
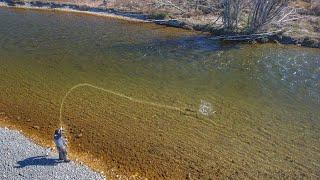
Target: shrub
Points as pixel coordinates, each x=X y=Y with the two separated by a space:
x=231 y=14
x=264 y=12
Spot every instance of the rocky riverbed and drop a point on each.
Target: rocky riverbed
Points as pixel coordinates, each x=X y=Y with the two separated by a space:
x=20 y=158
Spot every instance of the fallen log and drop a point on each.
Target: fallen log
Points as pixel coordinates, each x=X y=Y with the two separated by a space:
x=246 y=37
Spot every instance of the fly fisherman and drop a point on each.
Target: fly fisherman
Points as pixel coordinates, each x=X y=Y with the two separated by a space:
x=61 y=145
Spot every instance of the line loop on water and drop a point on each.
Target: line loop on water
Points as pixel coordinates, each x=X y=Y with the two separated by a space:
x=114 y=93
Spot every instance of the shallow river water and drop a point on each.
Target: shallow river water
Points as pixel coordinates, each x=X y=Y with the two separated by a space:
x=241 y=111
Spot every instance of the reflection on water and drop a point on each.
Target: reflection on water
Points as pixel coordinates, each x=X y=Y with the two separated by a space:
x=299 y=73
x=249 y=110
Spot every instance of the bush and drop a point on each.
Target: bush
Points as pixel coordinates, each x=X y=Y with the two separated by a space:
x=232 y=10
x=264 y=12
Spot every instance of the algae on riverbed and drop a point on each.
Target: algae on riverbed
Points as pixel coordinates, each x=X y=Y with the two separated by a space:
x=266 y=97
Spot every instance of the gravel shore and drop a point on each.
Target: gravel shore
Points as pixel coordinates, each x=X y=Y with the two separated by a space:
x=20 y=158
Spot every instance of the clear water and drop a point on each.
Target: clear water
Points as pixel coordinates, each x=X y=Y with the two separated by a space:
x=263 y=122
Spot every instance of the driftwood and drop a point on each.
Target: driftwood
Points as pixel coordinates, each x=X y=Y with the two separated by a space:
x=160 y=20
x=288 y=14
x=247 y=37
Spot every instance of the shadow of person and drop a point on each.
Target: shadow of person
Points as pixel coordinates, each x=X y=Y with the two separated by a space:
x=37 y=161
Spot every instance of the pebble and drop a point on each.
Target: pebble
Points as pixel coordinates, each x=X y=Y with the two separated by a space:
x=79 y=135
x=20 y=158
x=36 y=127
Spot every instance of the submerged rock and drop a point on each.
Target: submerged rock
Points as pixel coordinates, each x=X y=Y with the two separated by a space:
x=36 y=127
x=79 y=135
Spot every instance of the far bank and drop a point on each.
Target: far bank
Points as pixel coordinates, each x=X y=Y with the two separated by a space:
x=302 y=31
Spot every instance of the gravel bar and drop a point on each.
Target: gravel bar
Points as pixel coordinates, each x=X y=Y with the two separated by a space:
x=20 y=158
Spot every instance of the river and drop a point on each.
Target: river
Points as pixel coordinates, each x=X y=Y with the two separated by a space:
x=242 y=110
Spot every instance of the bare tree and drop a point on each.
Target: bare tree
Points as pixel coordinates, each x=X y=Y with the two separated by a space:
x=231 y=14
x=264 y=12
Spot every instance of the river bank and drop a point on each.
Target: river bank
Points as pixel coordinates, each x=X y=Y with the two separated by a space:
x=25 y=154
x=22 y=159
x=303 y=31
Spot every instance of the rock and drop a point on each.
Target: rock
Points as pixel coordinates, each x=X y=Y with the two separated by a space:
x=307 y=41
x=172 y=23
x=188 y=27
x=253 y=42
x=36 y=127
x=189 y=176
x=264 y=40
x=276 y=41
x=79 y=135
x=10 y=2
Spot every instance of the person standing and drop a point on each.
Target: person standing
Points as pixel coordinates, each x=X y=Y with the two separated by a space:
x=61 y=145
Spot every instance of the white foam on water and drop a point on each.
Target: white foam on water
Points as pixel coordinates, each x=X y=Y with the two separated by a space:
x=206 y=108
